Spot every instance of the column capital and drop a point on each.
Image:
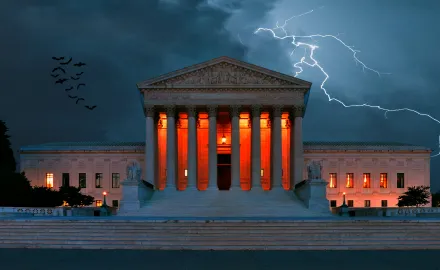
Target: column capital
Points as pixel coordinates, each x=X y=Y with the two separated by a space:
x=235 y=110
x=256 y=109
x=149 y=111
x=171 y=110
x=277 y=109
x=191 y=110
x=212 y=110
x=298 y=111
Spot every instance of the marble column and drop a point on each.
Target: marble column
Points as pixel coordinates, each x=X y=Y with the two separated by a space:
x=296 y=146
x=235 y=145
x=276 y=154
x=192 y=148
x=212 y=148
x=150 y=146
x=256 y=147
x=171 y=165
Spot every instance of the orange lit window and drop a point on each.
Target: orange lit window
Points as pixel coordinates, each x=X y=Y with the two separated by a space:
x=350 y=182
x=384 y=180
x=366 y=182
x=98 y=203
x=333 y=180
x=49 y=180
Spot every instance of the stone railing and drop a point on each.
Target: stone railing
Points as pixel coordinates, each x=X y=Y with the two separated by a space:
x=32 y=211
x=391 y=211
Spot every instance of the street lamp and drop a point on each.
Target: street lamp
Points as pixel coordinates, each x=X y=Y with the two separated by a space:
x=105 y=202
x=104 y=207
x=343 y=209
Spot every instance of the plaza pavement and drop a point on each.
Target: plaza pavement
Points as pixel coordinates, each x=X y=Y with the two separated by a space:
x=51 y=259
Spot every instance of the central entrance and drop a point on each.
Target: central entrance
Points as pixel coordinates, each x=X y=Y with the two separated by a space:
x=224 y=171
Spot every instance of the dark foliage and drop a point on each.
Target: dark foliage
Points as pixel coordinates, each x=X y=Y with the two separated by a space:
x=74 y=198
x=414 y=196
x=7 y=160
x=16 y=189
x=46 y=197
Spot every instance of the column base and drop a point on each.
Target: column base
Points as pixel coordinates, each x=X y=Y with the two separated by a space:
x=212 y=188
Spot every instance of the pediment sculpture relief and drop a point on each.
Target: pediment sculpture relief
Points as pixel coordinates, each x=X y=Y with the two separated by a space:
x=224 y=74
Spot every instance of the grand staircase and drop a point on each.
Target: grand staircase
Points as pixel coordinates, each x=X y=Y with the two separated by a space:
x=230 y=203
x=205 y=234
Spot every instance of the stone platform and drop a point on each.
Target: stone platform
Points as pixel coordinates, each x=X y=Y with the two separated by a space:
x=230 y=203
x=220 y=233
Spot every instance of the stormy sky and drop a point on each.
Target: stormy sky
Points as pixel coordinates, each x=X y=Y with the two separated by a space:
x=125 y=42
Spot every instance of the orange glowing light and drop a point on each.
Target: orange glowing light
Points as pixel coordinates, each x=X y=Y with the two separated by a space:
x=104 y=193
x=343 y=193
x=223 y=139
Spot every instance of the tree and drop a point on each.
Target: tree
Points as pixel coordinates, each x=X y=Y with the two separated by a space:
x=46 y=197
x=436 y=199
x=414 y=196
x=74 y=198
x=16 y=189
x=7 y=160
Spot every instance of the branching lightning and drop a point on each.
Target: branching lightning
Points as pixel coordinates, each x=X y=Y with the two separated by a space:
x=310 y=49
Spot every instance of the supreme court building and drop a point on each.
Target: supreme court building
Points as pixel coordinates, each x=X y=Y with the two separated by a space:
x=227 y=135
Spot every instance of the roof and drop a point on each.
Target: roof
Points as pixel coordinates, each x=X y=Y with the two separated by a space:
x=139 y=146
x=223 y=59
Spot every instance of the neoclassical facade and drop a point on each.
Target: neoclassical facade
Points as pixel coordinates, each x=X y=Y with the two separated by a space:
x=229 y=126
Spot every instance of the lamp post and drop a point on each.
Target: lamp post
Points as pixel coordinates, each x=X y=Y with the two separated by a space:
x=104 y=207
x=343 y=209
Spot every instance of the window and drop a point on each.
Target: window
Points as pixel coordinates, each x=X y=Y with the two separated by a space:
x=115 y=180
x=49 y=180
x=333 y=180
x=366 y=180
x=384 y=203
x=333 y=203
x=98 y=203
x=383 y=180
x=400 y=180
x=115 y=203
x=350 y=203
x=349 y=179
x=98 y=180
x=367 y=203
x=65 y=180
x=82 y=180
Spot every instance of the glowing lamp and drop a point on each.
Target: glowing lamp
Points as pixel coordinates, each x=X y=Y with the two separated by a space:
x=223 y=139
x=104 y=193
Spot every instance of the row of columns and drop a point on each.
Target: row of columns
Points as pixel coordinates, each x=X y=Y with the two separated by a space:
x=296 y=154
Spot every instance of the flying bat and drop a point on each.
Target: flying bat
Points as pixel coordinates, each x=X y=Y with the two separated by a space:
x=68 y=89
x=79 y=64
x=57 y=58
x=54 y=75
x=79 y=74
x=90 y=107
x=72 y=97
x=79 y=99
x=81 y=84
x=61 y=81
x=67 y=62
x=75 y=79
x=59 y=68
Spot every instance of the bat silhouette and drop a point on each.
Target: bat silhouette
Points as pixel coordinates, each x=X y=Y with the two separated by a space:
x=54 y=75
x=75 y=79
x=59 y=68
x=68 y=89
x=90 y=107
x=79 y=99
x=67 y=62
x=79 y=74
x=79 y=64
x=72 y=97
x=57 y=58
x=61 y=81
x=81 y=84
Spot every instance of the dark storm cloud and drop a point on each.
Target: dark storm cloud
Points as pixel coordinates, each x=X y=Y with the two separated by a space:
x=122 y=42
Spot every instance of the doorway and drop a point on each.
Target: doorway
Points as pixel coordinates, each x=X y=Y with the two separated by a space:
x=224 y=171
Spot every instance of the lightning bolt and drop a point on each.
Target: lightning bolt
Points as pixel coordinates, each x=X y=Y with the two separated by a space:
x=310 y=49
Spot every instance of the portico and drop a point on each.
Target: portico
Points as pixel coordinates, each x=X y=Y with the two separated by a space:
x=201 y=118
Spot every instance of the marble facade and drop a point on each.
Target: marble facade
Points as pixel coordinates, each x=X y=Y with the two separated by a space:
x=250 y=116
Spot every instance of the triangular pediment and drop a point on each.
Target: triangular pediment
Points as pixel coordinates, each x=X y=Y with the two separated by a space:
x=224 y=71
